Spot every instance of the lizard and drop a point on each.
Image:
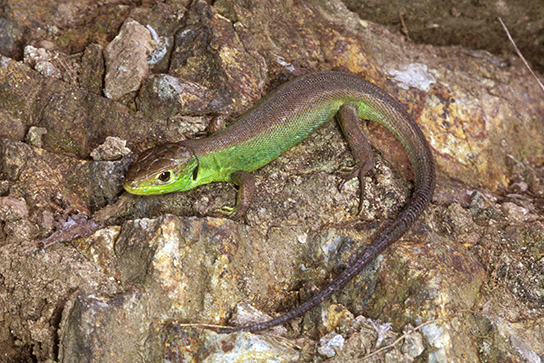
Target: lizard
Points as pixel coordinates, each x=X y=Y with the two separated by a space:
x=278 y=121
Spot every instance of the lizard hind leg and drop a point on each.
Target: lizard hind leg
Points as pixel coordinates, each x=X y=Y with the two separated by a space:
x=357 y=139
x=246 y=189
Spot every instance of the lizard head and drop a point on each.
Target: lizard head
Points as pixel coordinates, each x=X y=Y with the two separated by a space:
x=162 y=169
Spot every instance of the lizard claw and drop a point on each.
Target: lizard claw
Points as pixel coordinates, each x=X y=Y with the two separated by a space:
x=226 y=211
x=347 y=173
x=230 y=212
x=359 y=171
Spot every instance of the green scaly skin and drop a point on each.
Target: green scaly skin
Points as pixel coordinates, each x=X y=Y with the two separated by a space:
x=280 y=120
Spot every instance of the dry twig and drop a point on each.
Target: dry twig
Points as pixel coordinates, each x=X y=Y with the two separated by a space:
x=520 y=55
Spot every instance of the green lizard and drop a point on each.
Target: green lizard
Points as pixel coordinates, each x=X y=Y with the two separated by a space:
x=280 y=120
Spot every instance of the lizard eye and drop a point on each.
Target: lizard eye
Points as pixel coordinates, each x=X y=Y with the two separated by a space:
x=164 y=176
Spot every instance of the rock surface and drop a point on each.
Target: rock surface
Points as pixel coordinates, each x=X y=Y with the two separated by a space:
x=125 y=57
x=464 y=285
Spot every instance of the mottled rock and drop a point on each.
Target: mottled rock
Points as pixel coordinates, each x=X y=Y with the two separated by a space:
x=11 y=35
x=174 y=268
x=178 y=343
x=514 y=212
x=11 y=127
x=76 y=121
x=164 y=96
x=35 y=136
x=112 y=149
x=424 y=280
x=330 y=344
x=39 y=180
x=14 y=222
x=41 y=60
x=105 y=329
x=40 y=304
x=364 y=339
x=413 y=342
x=12 y=209
x=48 y=181
x=92 y=69
x=126 y=60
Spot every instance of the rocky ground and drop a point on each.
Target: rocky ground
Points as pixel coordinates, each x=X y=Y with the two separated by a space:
x=91 y=273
